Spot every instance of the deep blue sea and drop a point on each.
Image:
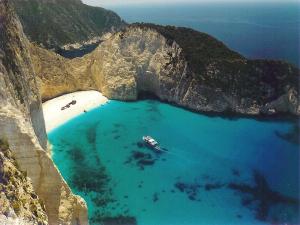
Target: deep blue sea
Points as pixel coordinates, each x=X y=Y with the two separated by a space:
x=213 y=170
x=256 y=30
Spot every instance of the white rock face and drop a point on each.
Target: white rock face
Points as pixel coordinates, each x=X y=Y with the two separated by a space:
x=22 y=125
x=196 y=72
x=62 y=207
x=13 y=221
x=142 y=59
x=135 y=61
x=19 y=202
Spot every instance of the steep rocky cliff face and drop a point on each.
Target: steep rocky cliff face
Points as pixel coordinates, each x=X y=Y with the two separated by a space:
x=19 y=202
x=178 y=65
x=55 y=23
x=22 y=126
x=58 y=75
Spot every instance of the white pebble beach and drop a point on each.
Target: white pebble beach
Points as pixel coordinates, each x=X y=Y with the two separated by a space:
x=85 y=101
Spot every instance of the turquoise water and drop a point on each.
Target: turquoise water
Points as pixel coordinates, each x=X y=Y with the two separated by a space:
x=213 y=170
x=256 y=30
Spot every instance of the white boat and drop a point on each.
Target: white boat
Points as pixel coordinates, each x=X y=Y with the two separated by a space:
x=151 y=142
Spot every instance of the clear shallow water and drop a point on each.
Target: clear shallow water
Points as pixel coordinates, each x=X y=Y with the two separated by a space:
x=215 y=170
x=256 y=30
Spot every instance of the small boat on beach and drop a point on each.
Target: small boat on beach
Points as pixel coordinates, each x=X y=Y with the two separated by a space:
x=73 y=102
x=151 y=142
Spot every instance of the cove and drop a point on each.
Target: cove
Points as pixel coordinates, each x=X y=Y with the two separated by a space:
x=213 y=170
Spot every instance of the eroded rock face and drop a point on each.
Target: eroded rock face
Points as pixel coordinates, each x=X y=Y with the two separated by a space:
x=204 y=79
x=57 y=75
x=19 y=202
x=178 y=65
x=22 y=124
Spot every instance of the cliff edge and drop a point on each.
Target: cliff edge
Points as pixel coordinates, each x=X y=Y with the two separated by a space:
x=178 y=65
x=56 y=23
x=22 y=128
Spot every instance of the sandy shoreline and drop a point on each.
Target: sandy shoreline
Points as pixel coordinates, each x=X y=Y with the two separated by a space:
x=85 y=101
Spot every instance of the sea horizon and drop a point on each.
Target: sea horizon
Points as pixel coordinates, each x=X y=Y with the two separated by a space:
x=257 y=30
x=185 y=114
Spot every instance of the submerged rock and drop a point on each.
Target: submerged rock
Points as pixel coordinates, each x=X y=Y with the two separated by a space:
x=141 y=159
x=212 y=186
x=265 y=198
x=155 y=197
x=236 y=172
x=120 y=220
x=190 y=189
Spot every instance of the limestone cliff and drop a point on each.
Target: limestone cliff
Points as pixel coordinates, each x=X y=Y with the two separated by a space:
x=58 y=75
x=19 y=203
x=22 y=126
x=178 y=65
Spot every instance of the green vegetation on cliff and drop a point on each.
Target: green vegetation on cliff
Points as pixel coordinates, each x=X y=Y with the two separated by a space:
x=17 y=195
x=199 y=48
x=216 y=66
x=54 y=23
